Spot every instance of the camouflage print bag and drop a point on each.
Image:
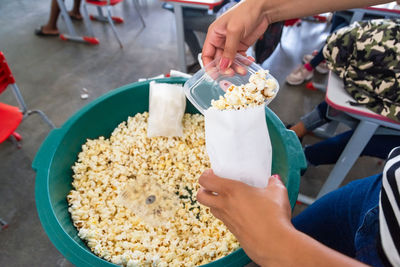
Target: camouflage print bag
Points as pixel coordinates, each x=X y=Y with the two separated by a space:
x=366 y=55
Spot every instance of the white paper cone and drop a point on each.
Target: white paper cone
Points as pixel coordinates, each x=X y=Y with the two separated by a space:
x=238 y=144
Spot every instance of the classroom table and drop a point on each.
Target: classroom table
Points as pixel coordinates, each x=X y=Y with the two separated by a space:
x=180 y=34
x=365 y=122
x=389 y=10
x=368 y=124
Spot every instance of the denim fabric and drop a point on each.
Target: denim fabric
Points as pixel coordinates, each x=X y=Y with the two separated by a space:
x=315 y=118
x=379 y=146
x=346 y=220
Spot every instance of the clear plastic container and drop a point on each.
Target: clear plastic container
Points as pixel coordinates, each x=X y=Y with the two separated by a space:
x=210 y=82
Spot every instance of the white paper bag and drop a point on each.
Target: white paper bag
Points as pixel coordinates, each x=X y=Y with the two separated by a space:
x=167 y=104
x=238 y=144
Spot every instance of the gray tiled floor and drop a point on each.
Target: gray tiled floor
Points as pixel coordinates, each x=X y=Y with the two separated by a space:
x=51 y=74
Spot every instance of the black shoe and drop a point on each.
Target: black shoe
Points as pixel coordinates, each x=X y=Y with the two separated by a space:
x=39 y=32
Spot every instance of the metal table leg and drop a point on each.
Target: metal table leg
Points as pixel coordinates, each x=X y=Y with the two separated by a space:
x=180 y=36
x=361 y=136
x=357 y=16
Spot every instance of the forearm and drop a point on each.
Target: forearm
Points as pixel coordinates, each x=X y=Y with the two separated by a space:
x=298 y=249
x=278 y=10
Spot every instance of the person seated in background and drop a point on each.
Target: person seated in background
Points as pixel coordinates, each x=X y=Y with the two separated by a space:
x=50 y=28
x=317 y=61
x=378 y=146
x=198 y=20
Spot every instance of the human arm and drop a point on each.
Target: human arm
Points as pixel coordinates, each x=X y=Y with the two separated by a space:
x=238 y=28
x=260 y=220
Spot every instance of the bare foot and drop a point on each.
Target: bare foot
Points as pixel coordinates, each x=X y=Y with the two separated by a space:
x=299 y=129
x=49 y=30
x=75 y=15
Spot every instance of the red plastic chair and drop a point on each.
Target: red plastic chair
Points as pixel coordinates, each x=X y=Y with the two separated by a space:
x=12 y=116
x=108 y=17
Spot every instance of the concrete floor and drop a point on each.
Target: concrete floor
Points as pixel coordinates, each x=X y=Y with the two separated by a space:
x=51 y=74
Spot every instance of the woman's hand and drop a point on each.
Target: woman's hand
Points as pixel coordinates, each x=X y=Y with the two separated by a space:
x=258 y=217
x=238 y=29
x=260 y=220
x=234 y=32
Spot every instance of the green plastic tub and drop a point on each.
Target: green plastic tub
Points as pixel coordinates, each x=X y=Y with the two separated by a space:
x=99 y=118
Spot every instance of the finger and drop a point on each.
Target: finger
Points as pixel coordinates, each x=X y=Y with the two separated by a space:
x=252 y=59
x=232 y=41
x=208 y=199
x=230 y=72
x=211 y=182
x=218 y=53
x=241 y=62
x=217 y=213
x=239 y=69
x=212 y=71
x=225 y=218
x=275 y=180
x=209 y=50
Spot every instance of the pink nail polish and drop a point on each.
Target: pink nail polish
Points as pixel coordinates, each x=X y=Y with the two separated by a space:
x=224 y=63
x=276 y=176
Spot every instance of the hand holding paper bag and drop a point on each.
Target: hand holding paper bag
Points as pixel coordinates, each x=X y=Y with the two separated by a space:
x=238 y=144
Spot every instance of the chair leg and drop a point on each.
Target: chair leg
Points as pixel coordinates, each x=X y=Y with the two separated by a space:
x=110 y=20
x=44 y=117
x=86 y=18
x=15 y=138
x=136 y=5
x=100 y=15
x=3 y=224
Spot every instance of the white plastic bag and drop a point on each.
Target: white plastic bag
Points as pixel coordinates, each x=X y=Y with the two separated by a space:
x=238 y=144
x=167 y=104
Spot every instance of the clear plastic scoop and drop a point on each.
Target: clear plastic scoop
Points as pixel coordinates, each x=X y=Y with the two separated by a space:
x=210 y=82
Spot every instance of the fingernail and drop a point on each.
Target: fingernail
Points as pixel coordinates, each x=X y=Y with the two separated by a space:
x=224 y=63
x=276 y=176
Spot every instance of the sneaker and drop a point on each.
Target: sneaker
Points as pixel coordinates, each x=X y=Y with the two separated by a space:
x=322 y=67
x=299 y=75
x=307 y=58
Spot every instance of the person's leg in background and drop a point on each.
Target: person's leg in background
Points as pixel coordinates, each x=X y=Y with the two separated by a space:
x=379 y=146
x=50 y=28
x=316 y=61
x=75 y=12
x=346 y=219
x=312 y=120
x=195 y=20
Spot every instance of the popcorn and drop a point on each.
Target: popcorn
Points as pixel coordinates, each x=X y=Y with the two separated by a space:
x=252 y=94
x=112 y=231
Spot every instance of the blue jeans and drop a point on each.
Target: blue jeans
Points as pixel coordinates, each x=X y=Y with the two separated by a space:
x=316 y=118
x=328 y=151
x=347 y=220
